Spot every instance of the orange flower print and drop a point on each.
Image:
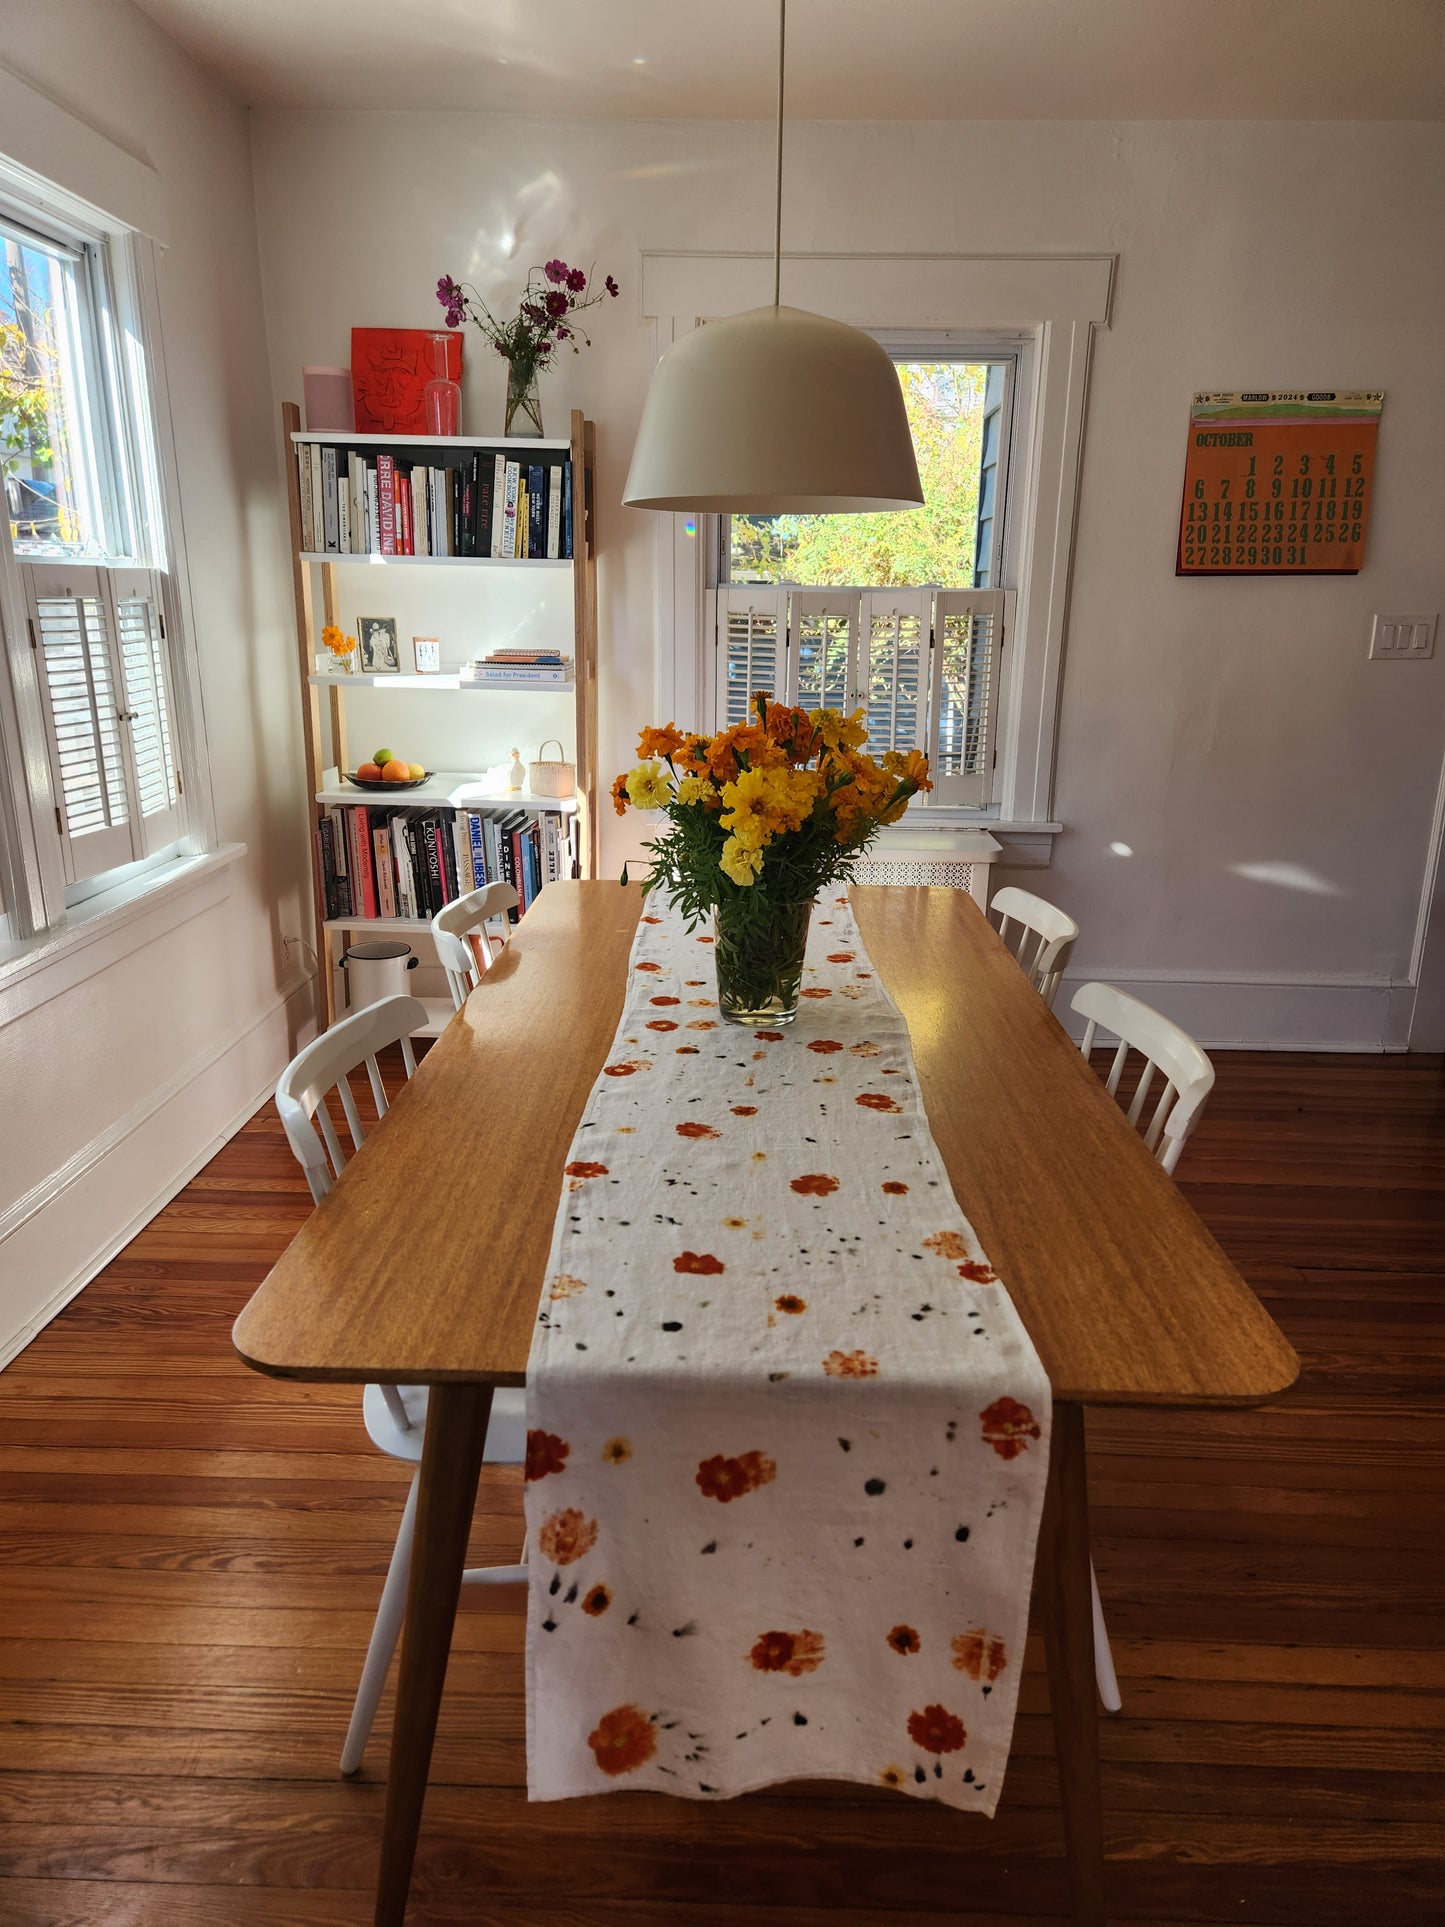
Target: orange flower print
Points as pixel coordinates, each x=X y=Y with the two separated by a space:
x=866 y=1050
x=649 y=919
x=824 y=1044
x=841 y=956
x=650 y=966
x=698 y=1264
x=903 y=1639
x=707 y=939
x=596 y=1602
x=623 y=1740
x=894 y=1189
x=877 y=1101
x=979 y=1654
x=702 y=1023
x=661 y=1023
x=629 y=1066
x=617 y=1451
x=580 y=1170
x=745 y=1110
x=978 y=1274
x=687 y=1050
x=816 y=991
x=850 y=1365
x=694 y=983
x=664 y=1000
x=790 y=1302
x=815 y=1184
x=891 y=1776
x=937 y=1730
x=546 y=1453
x=768 y=1036
x=947 y=1244
x=566 y=1286
x=1008 y=1427
x=567 y=1536
x=696 y=1130
x=790 y=1653
x=726 y=1479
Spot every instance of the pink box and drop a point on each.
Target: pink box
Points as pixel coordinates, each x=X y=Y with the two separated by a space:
x=329 y=406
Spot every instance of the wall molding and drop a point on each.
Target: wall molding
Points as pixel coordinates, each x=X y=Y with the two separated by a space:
x=55 y=145
x=217 y=1091
x=1261 y=1010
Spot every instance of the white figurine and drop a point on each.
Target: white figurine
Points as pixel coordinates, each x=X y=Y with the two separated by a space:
x=517 y=775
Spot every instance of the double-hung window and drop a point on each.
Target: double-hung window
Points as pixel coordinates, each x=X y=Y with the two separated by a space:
x=903 y=614
x=84 y=548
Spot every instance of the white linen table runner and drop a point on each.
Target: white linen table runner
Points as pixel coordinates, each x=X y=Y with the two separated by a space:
x=787 y=1435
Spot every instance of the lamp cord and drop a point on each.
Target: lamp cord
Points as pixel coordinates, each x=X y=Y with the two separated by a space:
x=778 y=208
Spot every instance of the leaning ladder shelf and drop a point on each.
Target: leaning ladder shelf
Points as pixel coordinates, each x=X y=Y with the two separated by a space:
x=309 y=569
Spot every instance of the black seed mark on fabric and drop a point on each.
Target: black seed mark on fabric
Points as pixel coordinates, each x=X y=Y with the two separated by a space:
x=580 y=1346
x=962 y=1534
x=634 y=1619
x=908 y=1545
x=873 y=1487
x=938 y=1770
x=672 y=1325
x=685 y=1632
x=986 y=1691
x=857 y=1542
x=847 y=1444
x=556 y=1585
x=920 y=1776
x=703 y=1787
x=711 y=1546
x=549 y=1625
x=968 y=1776
x=800 y=1719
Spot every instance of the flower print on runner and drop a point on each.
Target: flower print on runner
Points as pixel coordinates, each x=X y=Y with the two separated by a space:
x=788 y=1437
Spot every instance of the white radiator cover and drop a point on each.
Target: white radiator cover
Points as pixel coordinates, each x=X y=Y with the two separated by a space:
x=951 y=859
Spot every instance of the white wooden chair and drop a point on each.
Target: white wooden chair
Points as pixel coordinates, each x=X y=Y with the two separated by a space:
x=461 y=926
x=394 y=1415
x=1044 y=940
x=1188 y=1080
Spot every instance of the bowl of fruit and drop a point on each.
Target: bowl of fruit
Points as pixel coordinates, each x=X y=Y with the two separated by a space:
x=387 y=772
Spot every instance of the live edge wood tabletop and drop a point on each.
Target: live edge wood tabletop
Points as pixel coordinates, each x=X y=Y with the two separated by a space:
x=425 y=1264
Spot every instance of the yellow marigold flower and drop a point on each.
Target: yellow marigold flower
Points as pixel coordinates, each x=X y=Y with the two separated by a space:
x=908 y=767
x=648 y=787
x=748 y=801
x=666 y=741
x=839 y=731
x=692 y=789
x=739 y=862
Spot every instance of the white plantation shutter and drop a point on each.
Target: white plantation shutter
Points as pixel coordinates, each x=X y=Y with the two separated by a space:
x=895 y=635
x=752 y=629
x=969 y=628
x=823 y=668
x=140 y=633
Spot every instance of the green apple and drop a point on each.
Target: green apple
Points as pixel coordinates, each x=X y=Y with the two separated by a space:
x=381 y=757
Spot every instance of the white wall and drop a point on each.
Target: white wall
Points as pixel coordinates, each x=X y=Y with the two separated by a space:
x=130 y=1074
x=1205 y=724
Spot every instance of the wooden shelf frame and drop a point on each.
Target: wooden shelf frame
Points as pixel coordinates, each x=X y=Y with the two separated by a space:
x=312 y=572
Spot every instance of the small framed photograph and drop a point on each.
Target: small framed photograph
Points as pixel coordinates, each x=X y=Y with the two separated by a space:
x=427 y=654
x=380 y=655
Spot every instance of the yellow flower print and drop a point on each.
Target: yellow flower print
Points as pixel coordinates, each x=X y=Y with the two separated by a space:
x=648 y=787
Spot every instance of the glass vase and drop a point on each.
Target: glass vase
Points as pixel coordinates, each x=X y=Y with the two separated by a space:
x=442 y=397
x=524 y=400
x=759 y=959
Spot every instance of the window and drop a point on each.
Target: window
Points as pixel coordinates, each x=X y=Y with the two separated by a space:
x=893 y=612
x=86 y=554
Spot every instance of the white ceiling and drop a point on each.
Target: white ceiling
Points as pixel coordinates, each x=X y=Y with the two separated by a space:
x=848 y=59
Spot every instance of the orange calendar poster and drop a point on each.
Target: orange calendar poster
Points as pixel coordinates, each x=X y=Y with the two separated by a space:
x=1278 y=484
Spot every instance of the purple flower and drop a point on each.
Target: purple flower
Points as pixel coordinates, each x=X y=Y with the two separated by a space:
x=449 y=293
x=611 y=286
x=562 y=335
x=556 y=302
x=556 y=271
x=576 y=280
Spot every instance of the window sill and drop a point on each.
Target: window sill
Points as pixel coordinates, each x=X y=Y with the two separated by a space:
x=104 y=928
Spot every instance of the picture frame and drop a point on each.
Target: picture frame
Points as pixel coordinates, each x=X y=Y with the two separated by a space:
x=377 y=646
x=427 y=655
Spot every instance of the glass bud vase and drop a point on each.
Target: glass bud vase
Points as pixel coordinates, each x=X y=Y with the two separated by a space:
x=759 y=957
x=442 y=397
x=524 y=400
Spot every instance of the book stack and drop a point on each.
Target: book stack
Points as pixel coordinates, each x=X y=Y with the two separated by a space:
x=378 y=863
x=519 y=665
x=475 y=504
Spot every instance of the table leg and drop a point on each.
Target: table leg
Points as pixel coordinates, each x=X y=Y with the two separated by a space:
x=1065 y=1603
x=456 y=1434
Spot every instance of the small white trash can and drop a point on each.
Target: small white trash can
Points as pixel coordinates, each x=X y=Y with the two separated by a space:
x=376 y=970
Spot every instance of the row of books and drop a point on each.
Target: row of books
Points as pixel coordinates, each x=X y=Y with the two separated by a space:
x=411 y=863
x=483 y=504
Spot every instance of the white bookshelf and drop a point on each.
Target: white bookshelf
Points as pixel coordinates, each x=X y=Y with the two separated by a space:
x=436 y=561
x=443 y=789
x=445 y=680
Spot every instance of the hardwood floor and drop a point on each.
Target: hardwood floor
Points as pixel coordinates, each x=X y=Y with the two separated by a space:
x=190 y=1557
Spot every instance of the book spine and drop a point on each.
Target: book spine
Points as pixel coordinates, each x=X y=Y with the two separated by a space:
x=303 y=477
x=356 y=485
x=554 y=511
x=318 y=502
x=420 y=511
x=433 y=865
x=551 y=846
x=373 y=523
x=484 y=507
x=462 y=855
x=522 y=673
x=478 y=523
x=381 y=858
x=447 y=850
x=499 y=504
x=509 y=510
x=328 y=500
x=365 y=864
x=417 y=862
x=326 y=867
x=536 y=512
x=480 y=876
x=567 y=515
x=466 y=511
x=386 y=503
x=524 y=512
x=339 y=864
x=519 y=869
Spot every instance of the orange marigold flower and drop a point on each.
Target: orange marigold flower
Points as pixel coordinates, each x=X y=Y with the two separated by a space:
x=815 y=1184
x=617 y=1451
x=654 y=743
x=661 y=1023
x=877 y=1101
x=947 y=1244
x=545 y=1453
x=693 y=752
x=566 y=1537
x=769 y=1036
x=979 y=1654
x=850 y=1365
x=1008 y=1427
x=790 y=1653
x=620 y=798
x=700 y=1264
x=596 y=1602
x=937 y=1730
x=623 y=1740
x=978 y=1274
x=579 y=1169
x=903 y=1639
x=727 y=1479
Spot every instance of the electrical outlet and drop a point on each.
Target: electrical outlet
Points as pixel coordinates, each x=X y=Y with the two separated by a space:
x=1403 y=638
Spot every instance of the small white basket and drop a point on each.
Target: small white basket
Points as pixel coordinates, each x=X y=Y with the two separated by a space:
x=557 y=779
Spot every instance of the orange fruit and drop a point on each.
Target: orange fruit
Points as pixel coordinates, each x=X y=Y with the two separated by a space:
x=369 y=772
x=396 y=772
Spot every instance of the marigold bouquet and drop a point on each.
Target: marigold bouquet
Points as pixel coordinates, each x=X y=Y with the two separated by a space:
x=761 y=817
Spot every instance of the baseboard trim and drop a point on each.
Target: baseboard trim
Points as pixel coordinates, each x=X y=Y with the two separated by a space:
x=1267 y=1010
x=25 y=1214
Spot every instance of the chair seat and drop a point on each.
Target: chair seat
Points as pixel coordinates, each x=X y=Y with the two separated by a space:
x=506 y=1431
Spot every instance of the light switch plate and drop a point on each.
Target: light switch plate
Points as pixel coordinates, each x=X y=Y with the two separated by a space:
x=1403 y=638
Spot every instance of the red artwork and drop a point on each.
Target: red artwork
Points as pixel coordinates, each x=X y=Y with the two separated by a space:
x=390 y=368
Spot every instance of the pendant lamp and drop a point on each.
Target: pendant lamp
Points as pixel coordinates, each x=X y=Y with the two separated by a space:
x=775 y=411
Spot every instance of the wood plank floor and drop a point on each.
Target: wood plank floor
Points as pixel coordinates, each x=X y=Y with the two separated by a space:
x=190 y=1557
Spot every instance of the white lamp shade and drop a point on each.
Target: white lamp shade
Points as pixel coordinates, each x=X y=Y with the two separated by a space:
x=774 y=412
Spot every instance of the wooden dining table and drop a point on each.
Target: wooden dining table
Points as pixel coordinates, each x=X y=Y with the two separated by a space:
x=425 y=1264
